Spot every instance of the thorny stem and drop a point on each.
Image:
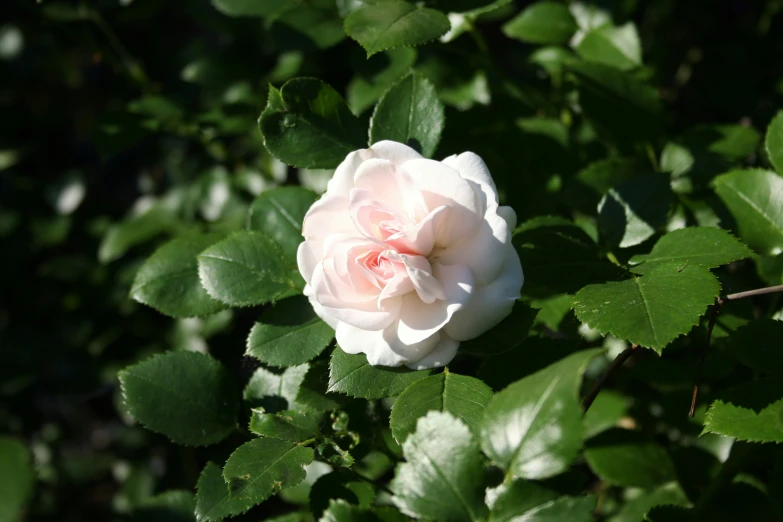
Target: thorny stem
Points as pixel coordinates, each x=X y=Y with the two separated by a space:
x=618 y=361
x=715 y=311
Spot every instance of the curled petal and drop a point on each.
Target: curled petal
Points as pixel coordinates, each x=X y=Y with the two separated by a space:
x=383 y=348
x=419 y=271
x=472 y=168
x=440 y=355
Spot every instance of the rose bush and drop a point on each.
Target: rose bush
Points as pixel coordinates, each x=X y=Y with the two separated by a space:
x=405 y=256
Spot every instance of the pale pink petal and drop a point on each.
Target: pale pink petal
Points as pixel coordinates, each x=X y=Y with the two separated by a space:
x=382 y=348
x=472 y=168
x=328 y=215
x=395 y=152
x=441 y=355
x=489 y=304
x=419 y=320
x=485 y=251
x=318 y=309
x=442 y=185
x=342 y=180
x=308 y=255
x=419 y=239
x=420 y=272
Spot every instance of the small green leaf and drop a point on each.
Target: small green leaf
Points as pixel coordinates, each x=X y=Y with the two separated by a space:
x=384 y=25
x=773 y=142
x=522 y=500
x=342 y=485
x=757 y=345
x=354 y=376
x=651 y=310
x=443 y=478
x=16 y=478
x=262 y=467
x=533 y=428
x=187 y=396
x=708 y=247
x=755 y=199
x=591 y=183
x=634 y=210
x=279 y=213
x=615 y=46
x=169 y=506
x=636 y=508
x=747 y=424
x=290 y=425
x=288 y=334
x=462 y=396
x=265 y=388
x=168 y=280
x=506 y=335
x=542 y=23
x=135 y=230
x=341 y=511
x=410 y=113
x=608 y=408
x=245 y=269
x=313 y=394
x=308 y=125
x=627 y=458
x=559 y=257
x=213 y=502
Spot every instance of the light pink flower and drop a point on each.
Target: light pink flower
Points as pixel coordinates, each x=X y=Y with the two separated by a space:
x=405 y=256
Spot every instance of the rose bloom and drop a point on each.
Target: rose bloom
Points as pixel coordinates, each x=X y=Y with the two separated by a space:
x=405 y=256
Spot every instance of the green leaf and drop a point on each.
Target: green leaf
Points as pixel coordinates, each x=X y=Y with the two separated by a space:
x=354 y=376
x=279 y=213
x=773 y=142
x=708 y=247
x=607 y=409
x=619 y=106
x=587 y=189
x=730 y=420
x=313 y=394
x=542 y=23
x=169 y=506
x=262 y=467
x=383 y=25
x=245 y=269
x=410 y=113
x=559 y=257
x=443 y=478
x=290 y=425
x=651 y=310
x=343 y=485
x=615 y=46
x=533 y=428
x=341 y=511
x=634 y=210
x=187 y=396
x=308 y=125
x=367 y=87
x=506 y=335
x=135 y=230
x=213 y=502
x=462 y=396
x=168 y=280
x=627 y=458
x=265 y=388
x=636 y=508
x=288 y=334
x=16 y=478
x=522 y=500
x=757 y=345
x=755 y=199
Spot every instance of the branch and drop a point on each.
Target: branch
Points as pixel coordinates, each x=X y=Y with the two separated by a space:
x=618 y=361
x=715 y=311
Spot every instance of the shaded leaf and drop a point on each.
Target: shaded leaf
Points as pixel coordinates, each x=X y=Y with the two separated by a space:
x=627 y=458
x=651 y=310
x=212 y=499
x=504 y=336
x=169 y=506
x=135 y=230
x=730 y=420
x=708 y=247
x=533 y=428
x=443 y=478
x=168 y=280
x=634 y=210
x=307 y=124
x=464 y=397
x=288 y=334
x=340 y=485
x=618 y=47
x=755 y=199
x=522 y=500
x=16 y=478
x=279 y=213
x=245 y=269
x=354 y=376
x=275 y=392
x=773 y=142
x=262 y=467
x=393 y=23
x=410 y=113
x=290 y=425
x=757 y=345
x=542 y=23
x=187 y=396
x=608 y=408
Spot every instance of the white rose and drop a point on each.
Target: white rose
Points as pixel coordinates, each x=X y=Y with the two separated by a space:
x=405 y=256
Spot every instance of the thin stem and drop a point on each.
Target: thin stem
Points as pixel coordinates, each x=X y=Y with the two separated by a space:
x=481 y=43
x=618 y=361
x=651 y=155
x=130 y=63
x=715 y=311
